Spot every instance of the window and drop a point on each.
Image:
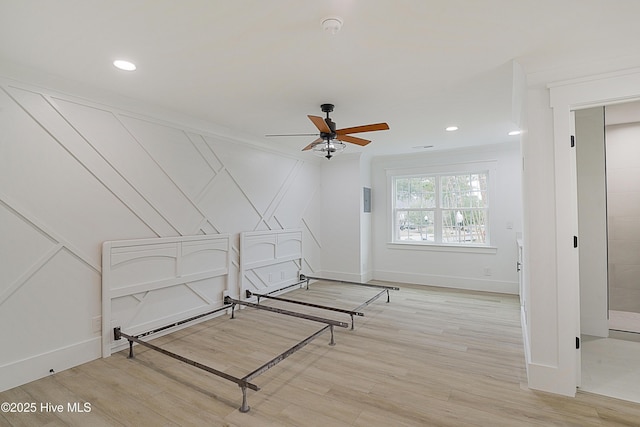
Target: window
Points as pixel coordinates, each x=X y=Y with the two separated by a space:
x=441 y=208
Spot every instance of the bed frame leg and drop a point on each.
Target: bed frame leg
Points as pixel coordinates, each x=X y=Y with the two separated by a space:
x=387 y=295
x=352 y=322
x=244 y=407
x=233 y=308
x=131 y=349
x=332 y=342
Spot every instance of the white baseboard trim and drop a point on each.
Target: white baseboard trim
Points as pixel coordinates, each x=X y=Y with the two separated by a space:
x=23 y=371
x=366 y=277
x=525 y=340
x=349 y=277
x=550 y=379
x=468 y=283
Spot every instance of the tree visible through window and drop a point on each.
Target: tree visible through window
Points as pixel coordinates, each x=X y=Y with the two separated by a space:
x=449 y=209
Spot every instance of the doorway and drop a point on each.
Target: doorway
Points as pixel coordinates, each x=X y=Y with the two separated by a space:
x=608 y=184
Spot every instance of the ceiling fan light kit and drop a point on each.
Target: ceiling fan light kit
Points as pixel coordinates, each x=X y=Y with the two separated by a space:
x=328 y=149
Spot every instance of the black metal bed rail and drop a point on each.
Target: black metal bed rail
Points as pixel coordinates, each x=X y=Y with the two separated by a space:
x=279 y=358
x=384 y=287
x=117 y=334
x=306 y=278
x=331 y=322
x=286 y=287
x=182 y=322
x=351 y=313
x=372 y=299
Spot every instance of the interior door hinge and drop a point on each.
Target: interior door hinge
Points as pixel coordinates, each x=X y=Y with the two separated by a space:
x=575 y=241
x=573 y=141
x=577 y=343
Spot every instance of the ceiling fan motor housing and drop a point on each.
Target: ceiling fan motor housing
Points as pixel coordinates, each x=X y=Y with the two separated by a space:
x=327 y=108
x=332 y=126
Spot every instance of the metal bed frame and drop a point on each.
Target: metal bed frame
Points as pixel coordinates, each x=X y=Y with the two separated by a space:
x=245 y=382
x=230 y=303
x=306 y=279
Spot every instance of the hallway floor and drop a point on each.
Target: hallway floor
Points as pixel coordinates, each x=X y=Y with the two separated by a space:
x=611 y=367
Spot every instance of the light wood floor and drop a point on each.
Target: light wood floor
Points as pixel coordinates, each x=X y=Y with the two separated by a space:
x=432 y=357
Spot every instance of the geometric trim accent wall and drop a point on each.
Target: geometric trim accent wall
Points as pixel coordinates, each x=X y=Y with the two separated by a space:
x=75 y=173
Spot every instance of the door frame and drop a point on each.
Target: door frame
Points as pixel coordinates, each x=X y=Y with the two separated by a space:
x=565 y=97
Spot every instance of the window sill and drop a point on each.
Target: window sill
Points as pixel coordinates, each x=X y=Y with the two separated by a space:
x=442 y=248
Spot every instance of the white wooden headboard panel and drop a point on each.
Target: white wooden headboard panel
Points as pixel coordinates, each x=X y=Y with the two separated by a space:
x=150 y=283
x=269 y=260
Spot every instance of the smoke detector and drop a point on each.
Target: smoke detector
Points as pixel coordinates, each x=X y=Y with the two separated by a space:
x=332 y=24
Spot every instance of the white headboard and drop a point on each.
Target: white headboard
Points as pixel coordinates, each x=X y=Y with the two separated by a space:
x=269 y=260
x=150 y=283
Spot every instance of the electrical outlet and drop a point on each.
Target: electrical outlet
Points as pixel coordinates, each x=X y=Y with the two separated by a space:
x=96 y=324
x=487 y=271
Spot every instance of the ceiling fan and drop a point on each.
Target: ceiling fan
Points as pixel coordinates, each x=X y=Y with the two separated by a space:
x=331 y=140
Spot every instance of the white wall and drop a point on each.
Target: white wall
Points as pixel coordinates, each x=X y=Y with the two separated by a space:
x=346 y=229
x=592 y=221
x=446 y=266
x=623 y=181
x=341 y=217
x=75 y=173
x=366 y=230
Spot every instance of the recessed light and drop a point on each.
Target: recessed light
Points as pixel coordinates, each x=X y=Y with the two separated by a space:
x=124 y=65
x=515 y=132
x=451 y=128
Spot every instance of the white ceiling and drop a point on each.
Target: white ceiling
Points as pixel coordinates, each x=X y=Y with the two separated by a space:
x=260 y=66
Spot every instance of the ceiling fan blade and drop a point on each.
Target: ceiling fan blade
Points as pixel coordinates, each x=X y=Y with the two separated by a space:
x=314 y=143
x=352 y=139
x=365 y=128
x=320 y=124
x=293 y=134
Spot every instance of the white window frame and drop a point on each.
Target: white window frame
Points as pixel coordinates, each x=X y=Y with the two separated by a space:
x=487 y=167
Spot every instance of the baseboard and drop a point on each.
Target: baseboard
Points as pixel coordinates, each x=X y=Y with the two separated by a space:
x=337 y=275
x=525 y=340
x=23 y=371
x=550 y=379
x=623 y=335
x=366 y=277
x=467 y=283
